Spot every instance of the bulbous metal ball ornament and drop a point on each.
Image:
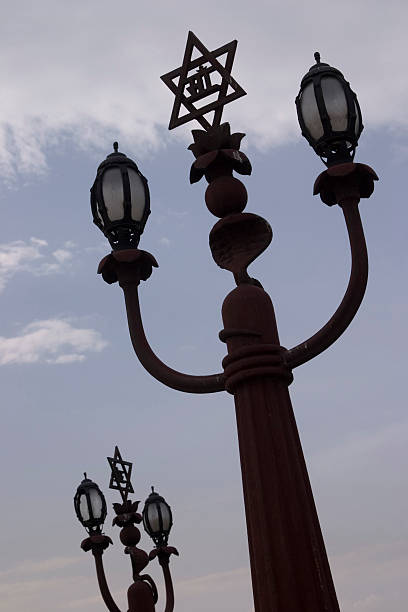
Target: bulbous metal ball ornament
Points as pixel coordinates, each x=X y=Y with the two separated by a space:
x=226 y=195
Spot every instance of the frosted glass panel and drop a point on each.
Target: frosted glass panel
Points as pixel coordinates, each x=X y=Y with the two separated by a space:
x=336 y=103
x=357 y=128
x=83 y=508
x=165 y=517
x=310 y=112
x=99 y=215
x=137 y=195
x=112 y=190
x=153 y=517
x=96 y=503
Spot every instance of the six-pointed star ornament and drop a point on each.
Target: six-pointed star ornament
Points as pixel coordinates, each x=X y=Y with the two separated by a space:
x=199 y=78
x=120 y=477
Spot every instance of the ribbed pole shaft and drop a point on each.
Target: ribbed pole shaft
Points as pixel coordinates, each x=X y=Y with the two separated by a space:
x=289 y=565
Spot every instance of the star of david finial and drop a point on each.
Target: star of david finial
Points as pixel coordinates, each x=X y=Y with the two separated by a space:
x=120 y=477
x=201 y=78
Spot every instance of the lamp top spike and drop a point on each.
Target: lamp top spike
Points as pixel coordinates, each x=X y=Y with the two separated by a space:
x=317 y=57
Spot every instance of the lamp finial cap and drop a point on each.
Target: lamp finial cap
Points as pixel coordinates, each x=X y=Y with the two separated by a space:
x=317 y=57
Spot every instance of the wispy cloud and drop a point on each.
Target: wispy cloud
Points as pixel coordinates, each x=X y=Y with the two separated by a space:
x=368 y=579
x=62 y=255
x=53 y=341
x=229 y=591
x=53 y=90
x=372 y=578
x=32 y=256
x=17 y=256
x=41 y=566
x=42 y=585
x=358 y=449
x=214 y=581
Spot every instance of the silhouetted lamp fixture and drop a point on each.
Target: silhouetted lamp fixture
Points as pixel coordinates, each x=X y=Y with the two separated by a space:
x=329 y=114
x=120 y=200
x=290 y=568
x=157 y=518
x=90 y=506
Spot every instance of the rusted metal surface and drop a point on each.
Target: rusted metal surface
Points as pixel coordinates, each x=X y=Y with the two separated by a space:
x=344 y=181
x=289 y=565
x=217 y=153
x=98 y=544
x=143 y=264
x=193 y=88
x=103 y=585
x=237 y=240
x=120 y=475
x=142 y=594
x=290 y=570
x=129 y=268
x=172 y=378
x=128 y=273
x=345 y=185
x=226 y=195
x=163 y=554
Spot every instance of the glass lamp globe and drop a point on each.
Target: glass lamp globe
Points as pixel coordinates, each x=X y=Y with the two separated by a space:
x=157 y=518
x=329 y=113
x=120 y=200
x=90 y=506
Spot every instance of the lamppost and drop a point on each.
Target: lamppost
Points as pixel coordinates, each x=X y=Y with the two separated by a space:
x=90 y=507
x=289 y=565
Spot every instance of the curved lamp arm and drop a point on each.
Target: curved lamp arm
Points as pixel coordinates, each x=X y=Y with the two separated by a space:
x=103 y=585
x=148 y=359
x=129 y=267
x=97 y=543
x=344 y=185
x=169 y=585
x=163 y=555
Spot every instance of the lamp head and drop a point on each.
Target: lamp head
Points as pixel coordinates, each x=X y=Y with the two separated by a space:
x=157 y=518
x=329 y=113
x=120 y=200
x=90 y=506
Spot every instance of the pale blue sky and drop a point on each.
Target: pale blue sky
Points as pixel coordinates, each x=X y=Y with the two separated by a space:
x=77 y=77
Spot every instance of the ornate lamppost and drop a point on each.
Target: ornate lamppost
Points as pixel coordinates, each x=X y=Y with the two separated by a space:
x=90 y=507
x=289 y=565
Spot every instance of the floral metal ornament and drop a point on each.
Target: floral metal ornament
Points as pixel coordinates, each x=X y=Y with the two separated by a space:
x=120 y=477
x=215 y=143
x=210 y=78
x=126 y=513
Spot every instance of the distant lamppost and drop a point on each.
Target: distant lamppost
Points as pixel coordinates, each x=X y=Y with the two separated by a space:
x=90 y=506
x=290 y=570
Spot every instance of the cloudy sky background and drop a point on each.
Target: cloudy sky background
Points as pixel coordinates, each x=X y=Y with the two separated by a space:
x=77 y=76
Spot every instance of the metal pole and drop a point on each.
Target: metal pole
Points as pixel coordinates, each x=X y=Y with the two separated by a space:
x=289 y=565
x=290 y=570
